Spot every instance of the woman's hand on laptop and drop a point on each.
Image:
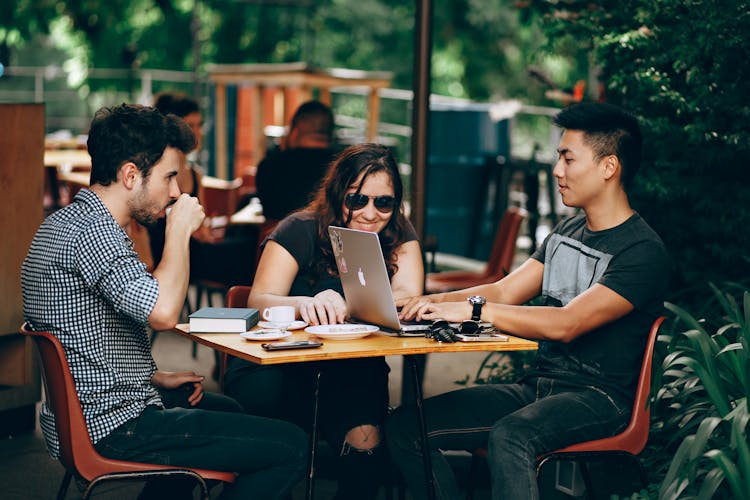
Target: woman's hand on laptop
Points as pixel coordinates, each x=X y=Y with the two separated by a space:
x=326 y=308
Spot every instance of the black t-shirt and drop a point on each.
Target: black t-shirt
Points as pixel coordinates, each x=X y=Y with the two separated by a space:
x=287 y=180
x=298 y=234
x=631 y=260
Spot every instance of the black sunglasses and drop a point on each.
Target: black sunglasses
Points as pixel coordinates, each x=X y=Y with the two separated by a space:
x=467 y=327
x=357 y=201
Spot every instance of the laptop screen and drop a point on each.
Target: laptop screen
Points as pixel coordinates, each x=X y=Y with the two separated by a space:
x=364 y=278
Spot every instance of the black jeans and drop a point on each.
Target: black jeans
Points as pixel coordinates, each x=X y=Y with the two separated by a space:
x=352 y=392
x=269 y=455
x=515 y=422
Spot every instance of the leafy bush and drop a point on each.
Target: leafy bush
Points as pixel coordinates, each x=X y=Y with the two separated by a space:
x=683 y=68
x=703 y=386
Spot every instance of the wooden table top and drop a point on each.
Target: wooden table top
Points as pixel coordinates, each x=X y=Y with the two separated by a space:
x=373 y=345
x=249 y=214
x=66 y=158
x=79 y=178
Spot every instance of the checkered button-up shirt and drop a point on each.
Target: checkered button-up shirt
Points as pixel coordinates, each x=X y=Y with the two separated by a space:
x=83 y=282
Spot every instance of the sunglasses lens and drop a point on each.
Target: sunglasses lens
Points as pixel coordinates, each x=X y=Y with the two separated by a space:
x=356 y=201
x=469 y=327
x=438 y=324
x=385 y=203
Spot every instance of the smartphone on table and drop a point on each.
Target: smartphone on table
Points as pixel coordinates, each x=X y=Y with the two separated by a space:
x=481 y=337
x=293 y=344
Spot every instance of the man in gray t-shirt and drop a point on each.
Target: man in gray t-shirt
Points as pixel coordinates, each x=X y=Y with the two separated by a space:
x=601 y=277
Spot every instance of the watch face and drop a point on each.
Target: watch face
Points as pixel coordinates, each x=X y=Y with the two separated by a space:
x=477 y=299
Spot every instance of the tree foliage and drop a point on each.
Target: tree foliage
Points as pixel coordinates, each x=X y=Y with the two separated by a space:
x=479 y=50
x=683 y=67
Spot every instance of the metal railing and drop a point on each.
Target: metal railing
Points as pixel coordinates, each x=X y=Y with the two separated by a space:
x=71 y=108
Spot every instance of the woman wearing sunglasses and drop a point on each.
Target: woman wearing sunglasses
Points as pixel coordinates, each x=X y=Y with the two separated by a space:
x=362 y=190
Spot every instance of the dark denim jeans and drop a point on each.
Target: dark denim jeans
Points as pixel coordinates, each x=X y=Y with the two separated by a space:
x=269 y=455
x=352 y=392
x=516 y=422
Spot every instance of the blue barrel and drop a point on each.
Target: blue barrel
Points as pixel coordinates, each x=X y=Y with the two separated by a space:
x=463 y=147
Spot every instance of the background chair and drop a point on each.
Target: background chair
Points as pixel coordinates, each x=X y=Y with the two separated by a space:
x=77 y=453
x=625 y=445
x=236 y=297
x=498 y=264
x=226 y=256
x=219 y=199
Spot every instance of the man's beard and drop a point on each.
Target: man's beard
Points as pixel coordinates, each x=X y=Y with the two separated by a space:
x=144 y=212
x=145 y=218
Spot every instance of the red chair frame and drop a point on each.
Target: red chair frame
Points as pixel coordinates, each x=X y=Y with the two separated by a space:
x=77 y=453
x=627 y=444
x=236 y=297
x=499 y=262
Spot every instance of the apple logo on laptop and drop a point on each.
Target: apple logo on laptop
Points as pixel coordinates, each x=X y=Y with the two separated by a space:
x=361 y=277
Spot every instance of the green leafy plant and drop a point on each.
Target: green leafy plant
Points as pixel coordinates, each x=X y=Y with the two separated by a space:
x=705 y=381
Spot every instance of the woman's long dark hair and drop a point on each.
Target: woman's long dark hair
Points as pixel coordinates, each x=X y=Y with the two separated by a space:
x=329 y=201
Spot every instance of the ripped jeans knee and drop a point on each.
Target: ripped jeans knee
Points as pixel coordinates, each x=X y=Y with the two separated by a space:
x=361 y=439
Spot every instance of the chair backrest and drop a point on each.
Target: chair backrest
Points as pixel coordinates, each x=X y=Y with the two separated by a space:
x=503 y=250
x=76 y=450
x=60 y=395
x=237 y=296
x=248 y=182
x=633 y=439
x=219 y=197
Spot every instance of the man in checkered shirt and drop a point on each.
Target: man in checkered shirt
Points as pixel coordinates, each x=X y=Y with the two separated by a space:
x=83 y=282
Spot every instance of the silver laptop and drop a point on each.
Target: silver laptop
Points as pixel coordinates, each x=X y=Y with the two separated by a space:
x=365 y=281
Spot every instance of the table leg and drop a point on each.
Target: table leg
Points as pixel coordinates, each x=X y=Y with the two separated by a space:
x=426 y=458
x=408 y=396
x=313 y=436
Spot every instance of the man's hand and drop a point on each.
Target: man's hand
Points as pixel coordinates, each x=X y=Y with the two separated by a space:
x=453 y=312
x=173 y=380
x=186 y=213
x=410 y=306
x=326 y=308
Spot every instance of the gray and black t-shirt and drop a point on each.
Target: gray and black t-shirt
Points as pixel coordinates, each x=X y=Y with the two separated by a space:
x=631 y=260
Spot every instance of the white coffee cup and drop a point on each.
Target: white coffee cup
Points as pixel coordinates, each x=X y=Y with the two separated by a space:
x=281 y=315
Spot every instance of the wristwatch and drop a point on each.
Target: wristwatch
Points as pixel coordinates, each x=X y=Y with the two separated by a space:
x=476 y=301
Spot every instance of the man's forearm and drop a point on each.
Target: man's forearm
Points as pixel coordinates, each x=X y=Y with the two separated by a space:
x=172 y=274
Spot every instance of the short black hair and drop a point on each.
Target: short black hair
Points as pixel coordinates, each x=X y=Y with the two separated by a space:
x=609 y=130
x=133 y=133
x=314 y=117
x=176 y=103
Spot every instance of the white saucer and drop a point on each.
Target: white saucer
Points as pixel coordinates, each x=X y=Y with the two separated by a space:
x=341 y=332
x=265 y=335
x=294 y=325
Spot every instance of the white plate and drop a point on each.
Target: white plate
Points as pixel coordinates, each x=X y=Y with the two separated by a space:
x=341 y=332
x=265 y=335
x=294 y=325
